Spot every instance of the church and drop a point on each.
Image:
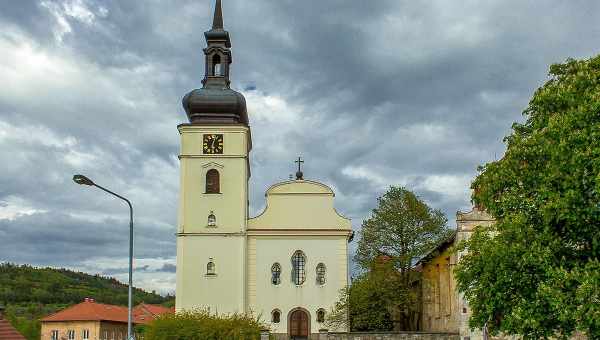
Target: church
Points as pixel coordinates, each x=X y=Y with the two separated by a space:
x=286 y=265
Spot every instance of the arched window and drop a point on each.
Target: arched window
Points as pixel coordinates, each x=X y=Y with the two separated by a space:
x=320 y=274
x=298 y=264
x=217 y=66
x=321 y=315
x=275 y=316
x=276 y=274
x=212 y=182
x=212 y=220
x=210 y=267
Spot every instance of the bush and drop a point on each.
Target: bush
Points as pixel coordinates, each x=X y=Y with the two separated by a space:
x=201 y=325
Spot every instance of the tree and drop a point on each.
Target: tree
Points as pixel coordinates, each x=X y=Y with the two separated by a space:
x=536 y=273
x=401 y=230
x=363 y=306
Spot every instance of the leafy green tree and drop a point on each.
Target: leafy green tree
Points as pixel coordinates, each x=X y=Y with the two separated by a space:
x=536 y=273
x=362 y=307
x=401 y=230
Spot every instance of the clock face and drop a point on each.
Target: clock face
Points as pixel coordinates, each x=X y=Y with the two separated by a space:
x=212 y=144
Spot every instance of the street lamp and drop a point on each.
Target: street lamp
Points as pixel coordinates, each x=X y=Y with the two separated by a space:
x=82 y=180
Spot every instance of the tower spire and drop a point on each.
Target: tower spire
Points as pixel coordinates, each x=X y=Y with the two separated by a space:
x=218 y=18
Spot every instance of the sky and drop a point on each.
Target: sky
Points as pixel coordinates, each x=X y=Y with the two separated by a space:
x=369 y=93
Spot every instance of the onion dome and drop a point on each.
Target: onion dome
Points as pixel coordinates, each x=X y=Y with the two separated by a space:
x=216 y=102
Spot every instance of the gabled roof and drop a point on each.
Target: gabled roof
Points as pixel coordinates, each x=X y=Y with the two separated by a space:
x=7 y=331
x=144 y=313
x=89 y=310
x=440 y=248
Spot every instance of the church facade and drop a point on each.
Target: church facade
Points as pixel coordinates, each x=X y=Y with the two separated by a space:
x=286 y=265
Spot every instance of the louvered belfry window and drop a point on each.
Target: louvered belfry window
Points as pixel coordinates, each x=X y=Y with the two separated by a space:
x=212 y=182
x=298 y=267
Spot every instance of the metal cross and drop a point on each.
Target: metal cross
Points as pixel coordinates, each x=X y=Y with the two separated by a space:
x=299 y=161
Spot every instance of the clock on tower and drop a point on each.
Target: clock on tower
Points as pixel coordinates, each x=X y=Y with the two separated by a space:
x=212 y=144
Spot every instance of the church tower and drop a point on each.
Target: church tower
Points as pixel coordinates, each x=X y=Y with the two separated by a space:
x=213 y=203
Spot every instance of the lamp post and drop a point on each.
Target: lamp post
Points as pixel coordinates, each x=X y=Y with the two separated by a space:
x=82 y=180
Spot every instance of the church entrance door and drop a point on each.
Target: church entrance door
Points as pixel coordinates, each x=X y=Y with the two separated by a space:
x=299 y=325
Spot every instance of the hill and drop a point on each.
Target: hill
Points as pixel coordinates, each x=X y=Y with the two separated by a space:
x=30 y=293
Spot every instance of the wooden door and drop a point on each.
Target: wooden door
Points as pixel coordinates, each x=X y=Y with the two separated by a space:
x=299 y=325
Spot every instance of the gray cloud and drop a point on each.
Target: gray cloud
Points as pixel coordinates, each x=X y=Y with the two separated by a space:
x=371 y=94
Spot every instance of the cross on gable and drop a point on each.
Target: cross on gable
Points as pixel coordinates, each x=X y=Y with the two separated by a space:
x=299 y=174
x=299 y=161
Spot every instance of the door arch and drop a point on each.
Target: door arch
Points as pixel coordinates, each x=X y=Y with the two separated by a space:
x=299 y=324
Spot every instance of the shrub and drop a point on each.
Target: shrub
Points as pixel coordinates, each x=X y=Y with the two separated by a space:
x=202 y=325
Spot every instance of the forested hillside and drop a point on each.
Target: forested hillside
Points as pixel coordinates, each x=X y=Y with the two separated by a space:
x=30 y=293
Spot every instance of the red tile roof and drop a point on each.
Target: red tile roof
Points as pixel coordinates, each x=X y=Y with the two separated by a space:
x=7 y=331
x=89 y=310
x=144 y=313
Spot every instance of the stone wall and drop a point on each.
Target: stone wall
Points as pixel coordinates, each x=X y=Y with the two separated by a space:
x=391 y=336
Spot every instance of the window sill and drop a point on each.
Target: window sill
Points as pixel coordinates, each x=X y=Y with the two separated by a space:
x=213 y=193
x=210 y=275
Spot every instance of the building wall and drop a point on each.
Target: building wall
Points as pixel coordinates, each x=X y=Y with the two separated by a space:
x=77 y=326
x=440 y=299
x=225 y=243
x=300 y=215
x=264 y=297
x=444 y=308
x=195 y=289
x=113 y=330
x=465 y=224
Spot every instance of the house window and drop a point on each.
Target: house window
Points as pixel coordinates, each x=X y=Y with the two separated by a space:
x=105 y=335
x=212 y=182
x=71 y=334
x=210 y=267
x=320 y=274
x=212 y=220
x=54 y=335
x=85 y=334
x=275 y=316
x=298 y=264
x=276 y=274
x=321 y=315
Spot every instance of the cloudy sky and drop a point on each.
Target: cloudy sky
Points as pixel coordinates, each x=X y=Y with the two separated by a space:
x=370 y=93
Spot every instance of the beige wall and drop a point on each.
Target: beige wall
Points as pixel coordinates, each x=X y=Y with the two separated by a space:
x=223 y=292
x=225 y=243
x=264 y=297
x=444 y=308
x=440 y=299
x=299 y=215
x=301 y=205
x=77 y=326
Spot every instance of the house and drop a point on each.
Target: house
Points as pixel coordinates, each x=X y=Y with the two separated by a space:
x=90 y=320
x=443 y=308
x=7 y=331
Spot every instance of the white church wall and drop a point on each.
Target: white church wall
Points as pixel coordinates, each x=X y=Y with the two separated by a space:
x=264 y=297
x=222 y=292
x=300 y=205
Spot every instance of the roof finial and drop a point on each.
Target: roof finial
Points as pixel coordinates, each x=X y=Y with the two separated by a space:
x=299 y=174
x=218 y=19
